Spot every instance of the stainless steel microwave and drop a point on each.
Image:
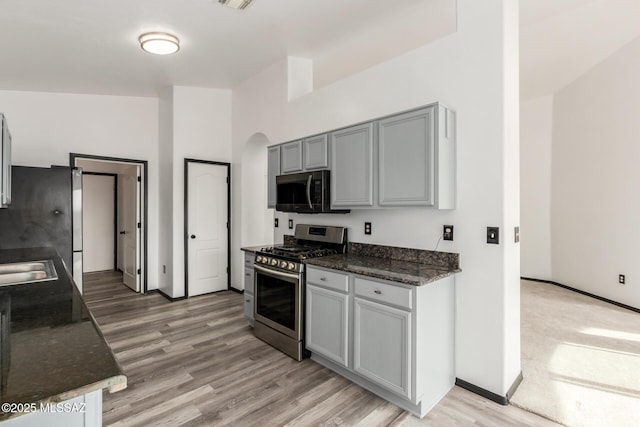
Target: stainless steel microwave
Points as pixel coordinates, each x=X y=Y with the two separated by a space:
x=306 y=192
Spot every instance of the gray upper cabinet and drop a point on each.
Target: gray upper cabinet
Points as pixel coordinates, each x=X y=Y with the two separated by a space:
x=273 y=170
x=316 y=152
x=416 y=159
x=291 y=157
x=406 y=159
x=352 y=166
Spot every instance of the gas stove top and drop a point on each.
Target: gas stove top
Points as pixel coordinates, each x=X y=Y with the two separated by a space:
x=310 y=242
x=296 y=252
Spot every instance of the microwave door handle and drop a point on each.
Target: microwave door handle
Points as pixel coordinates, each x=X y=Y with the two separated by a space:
x=309 y=192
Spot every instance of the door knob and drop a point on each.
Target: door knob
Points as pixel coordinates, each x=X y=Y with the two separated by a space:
x=193 y=236
x=123 y=232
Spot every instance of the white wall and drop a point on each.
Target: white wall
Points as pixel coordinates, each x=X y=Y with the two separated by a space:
x=98 y=221
x=475 y=72
x=46 y=127
x=165 y=219
x=258 y=115
x=535 y=197
x=196 y=124
x=595 y=196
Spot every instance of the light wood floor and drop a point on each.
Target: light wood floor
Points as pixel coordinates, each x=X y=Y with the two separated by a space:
x=196 y=362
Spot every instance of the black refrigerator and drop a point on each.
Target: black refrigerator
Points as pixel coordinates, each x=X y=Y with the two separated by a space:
x=46 y=210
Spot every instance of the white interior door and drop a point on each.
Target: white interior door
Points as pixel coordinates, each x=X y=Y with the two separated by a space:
x=130 y=232
x=207 y=239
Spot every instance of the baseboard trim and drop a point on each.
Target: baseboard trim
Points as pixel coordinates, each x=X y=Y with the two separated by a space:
x=551 y=282
x=514 y=386
x=172 y=299
x=502 y=400
x=239 y=291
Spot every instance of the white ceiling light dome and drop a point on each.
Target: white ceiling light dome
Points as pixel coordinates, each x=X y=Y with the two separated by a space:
x=159 y=43
x=236 y=4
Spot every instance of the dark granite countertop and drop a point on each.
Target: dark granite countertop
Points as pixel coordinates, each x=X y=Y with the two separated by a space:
x=410 y=266
x=52 y=349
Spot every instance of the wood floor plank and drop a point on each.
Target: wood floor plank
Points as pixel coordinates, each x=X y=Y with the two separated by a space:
x=195 y=362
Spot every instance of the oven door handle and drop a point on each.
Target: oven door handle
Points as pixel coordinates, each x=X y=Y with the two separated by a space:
x=309 y=191
x=275 y=273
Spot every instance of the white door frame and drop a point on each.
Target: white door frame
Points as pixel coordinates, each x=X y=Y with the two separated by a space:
x=186 y=220
x=144 y=205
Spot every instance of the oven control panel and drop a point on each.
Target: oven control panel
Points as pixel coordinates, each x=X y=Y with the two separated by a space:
x=277 y=263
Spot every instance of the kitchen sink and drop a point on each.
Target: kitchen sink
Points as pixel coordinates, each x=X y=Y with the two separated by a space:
x=18 y=273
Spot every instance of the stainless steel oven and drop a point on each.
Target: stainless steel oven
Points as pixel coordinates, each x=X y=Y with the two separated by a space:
x=279 y=285
x=280 y=300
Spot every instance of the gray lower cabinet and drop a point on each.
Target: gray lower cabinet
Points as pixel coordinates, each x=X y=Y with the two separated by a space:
x=352 y=166
x=81 y=411
x=249 y=287
x=291 y=157
x=316 y=152
x=273 y=170
x=382 y=345
x=393 y=339
x=327 y=330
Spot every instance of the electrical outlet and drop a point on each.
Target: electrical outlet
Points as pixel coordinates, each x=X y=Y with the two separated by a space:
x=290 y=224
x=447 y=232
x=493 y=235
x=516 y=234
x=367 y=228
x=275 y=222
x=621 y=279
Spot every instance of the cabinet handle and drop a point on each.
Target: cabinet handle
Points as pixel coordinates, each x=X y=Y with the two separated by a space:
x=378 y=292
x=247 y=274
x=324 y=279
x=247 y=300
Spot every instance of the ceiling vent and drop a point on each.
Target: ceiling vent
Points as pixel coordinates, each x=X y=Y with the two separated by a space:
x=236 y=4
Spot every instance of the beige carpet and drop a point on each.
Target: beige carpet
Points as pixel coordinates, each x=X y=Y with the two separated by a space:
x=580 y=358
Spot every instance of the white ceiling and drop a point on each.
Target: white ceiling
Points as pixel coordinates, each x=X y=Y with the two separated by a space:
x=90 y=46
x=562 y=39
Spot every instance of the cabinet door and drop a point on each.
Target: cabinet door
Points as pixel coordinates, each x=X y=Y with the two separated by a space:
x=249 y=284
x=382 y=345
x=406 y=159
x=316 y=153
x=291 y=155
x=248 y=307
x=273 y=170
x=327 y=320
x=352 y=166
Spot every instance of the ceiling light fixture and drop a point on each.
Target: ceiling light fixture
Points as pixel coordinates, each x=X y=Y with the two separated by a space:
x=159 y=43
x=236 y=4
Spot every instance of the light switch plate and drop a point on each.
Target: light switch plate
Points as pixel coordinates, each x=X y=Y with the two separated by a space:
x=290 y=224
x=493 y=235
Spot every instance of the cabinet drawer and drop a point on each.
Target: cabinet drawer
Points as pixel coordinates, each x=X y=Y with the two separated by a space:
x=248 y=280
x=328 y=279
x=249 y=257
x=383 y=292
